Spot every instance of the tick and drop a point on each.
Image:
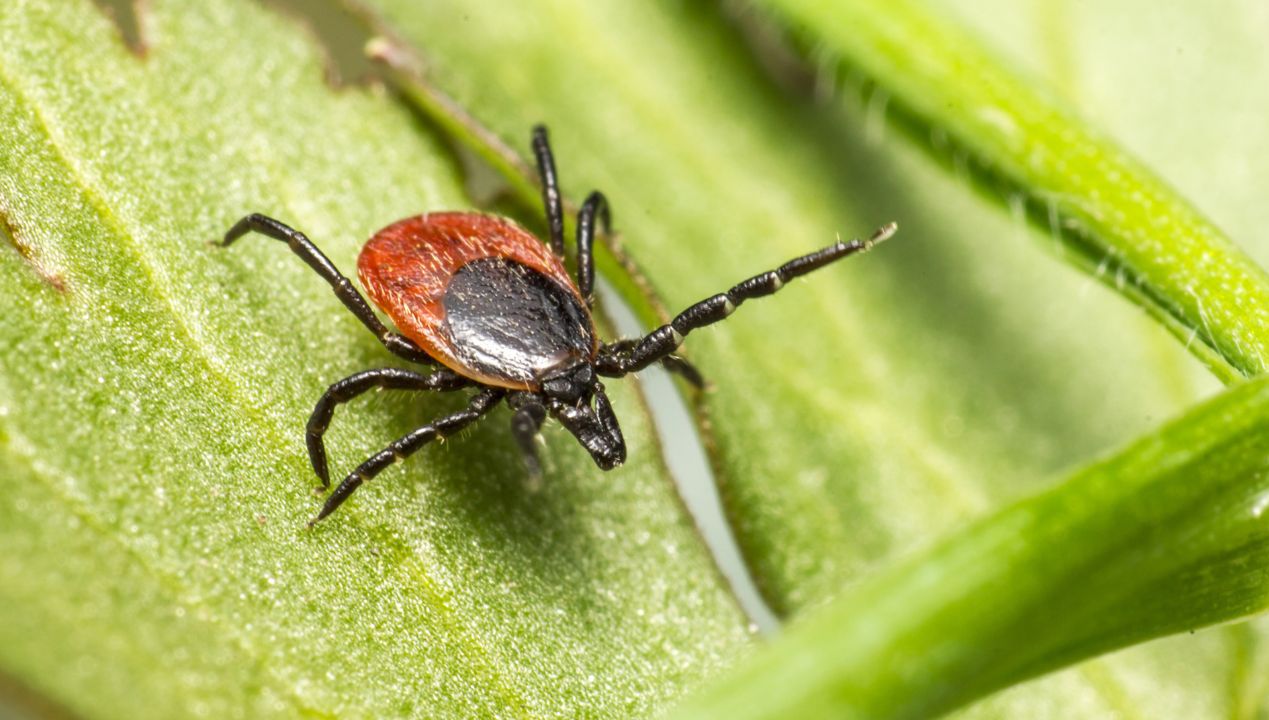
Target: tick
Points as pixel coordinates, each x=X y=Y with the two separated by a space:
x=490 y=307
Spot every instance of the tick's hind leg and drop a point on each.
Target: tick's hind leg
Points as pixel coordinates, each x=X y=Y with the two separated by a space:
x=530 y=413
x=481 y=403
x=355 y=385
x=613 y=359
x=300 y=244
x=679 y=365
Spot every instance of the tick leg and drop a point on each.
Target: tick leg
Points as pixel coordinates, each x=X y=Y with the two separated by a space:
x=481 y=403
x=550 y=188
x=663 y=341
x=596 y=204
x=396 y=343
x=355 y=385
x=612 y=361
x=525 y=424
x=684 y=369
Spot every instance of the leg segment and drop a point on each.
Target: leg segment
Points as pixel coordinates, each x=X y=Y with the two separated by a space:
x=596 y=204
x=612 y=359
x=396 y=343
x=550 y=188
x=684 y=369
x=661 y=342
x=525 y=424
x=481 y=403
x=355 y=385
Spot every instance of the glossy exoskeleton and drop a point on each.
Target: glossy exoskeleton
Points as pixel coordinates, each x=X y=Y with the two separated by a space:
x=496 y=310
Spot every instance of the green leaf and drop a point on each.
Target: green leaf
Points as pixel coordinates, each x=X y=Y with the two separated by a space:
x=1165 y=536
x=955 y=370
x=153 y=391
x=875 y=404
x=1112 y=215
x=152 y=388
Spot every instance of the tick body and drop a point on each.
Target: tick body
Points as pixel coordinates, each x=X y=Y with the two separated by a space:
x=481 y=295
x=492 y=308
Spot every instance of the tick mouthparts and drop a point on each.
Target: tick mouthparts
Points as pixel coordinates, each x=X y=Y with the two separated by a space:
x=493 y=308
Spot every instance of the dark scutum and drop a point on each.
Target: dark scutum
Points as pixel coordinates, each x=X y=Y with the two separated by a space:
x=523 y=335
x=507 y=320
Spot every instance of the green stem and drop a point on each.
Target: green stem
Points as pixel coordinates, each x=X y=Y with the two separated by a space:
x=1165 y=536
x=1116 y=219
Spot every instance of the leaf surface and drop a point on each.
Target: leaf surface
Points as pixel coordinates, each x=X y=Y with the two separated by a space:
x=153 y=391
x=876 y=403
x=965 y=370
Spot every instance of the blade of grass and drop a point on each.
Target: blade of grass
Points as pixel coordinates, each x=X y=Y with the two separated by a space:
x=1117 y=220
x=1165 y=536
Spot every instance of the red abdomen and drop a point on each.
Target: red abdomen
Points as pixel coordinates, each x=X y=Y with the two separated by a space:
x=514 y=315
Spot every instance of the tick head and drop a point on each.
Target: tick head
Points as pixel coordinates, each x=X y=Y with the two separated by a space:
x=571 y=385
